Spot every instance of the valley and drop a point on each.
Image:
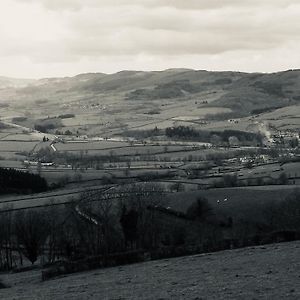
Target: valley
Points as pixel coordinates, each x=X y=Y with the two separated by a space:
x=195 y=161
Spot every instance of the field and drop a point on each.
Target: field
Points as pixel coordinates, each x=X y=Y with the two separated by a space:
x=167 y=160
x=239 y=203
x=180 y=135
x=269 y=272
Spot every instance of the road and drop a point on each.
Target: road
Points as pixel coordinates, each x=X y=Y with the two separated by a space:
x=34 y=133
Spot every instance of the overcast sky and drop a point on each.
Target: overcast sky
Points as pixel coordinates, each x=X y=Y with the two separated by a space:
x=46 y=38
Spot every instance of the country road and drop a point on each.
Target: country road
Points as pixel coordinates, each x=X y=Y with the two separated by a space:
x=34 y=133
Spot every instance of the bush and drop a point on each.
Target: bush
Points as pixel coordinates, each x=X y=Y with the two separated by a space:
x=19 y=119
x=66 y=116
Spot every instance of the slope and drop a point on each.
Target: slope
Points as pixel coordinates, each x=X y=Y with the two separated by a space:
x=268 y=272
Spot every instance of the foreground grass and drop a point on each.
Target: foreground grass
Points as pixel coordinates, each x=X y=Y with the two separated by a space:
x=264 y=272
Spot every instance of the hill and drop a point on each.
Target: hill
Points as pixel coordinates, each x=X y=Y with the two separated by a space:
x=7 y=82
x=110 y=104
x=264 y=272
x=242 y=91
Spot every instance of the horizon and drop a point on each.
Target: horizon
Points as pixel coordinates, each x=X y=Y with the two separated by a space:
x=51 y=38
x=145 y=71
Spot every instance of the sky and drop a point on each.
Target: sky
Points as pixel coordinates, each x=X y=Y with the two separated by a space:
x=54 y=38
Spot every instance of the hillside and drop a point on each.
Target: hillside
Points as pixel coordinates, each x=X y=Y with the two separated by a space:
x=264 y=272
x=242 y=90
x=110 y=104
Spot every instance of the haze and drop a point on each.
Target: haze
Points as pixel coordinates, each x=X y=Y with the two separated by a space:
x=48 y=38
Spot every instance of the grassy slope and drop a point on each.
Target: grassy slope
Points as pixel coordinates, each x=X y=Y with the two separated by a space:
x=246 y=203
x=269 y=272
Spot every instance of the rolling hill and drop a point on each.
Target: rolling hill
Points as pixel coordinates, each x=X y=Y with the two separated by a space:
x=134 y=98
x=7 y=82
x=242 y=90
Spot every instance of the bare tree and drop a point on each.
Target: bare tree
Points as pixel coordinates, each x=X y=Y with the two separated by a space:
x=6 y=241
x=97 y=223
x=199 y=210
x=32 y=230
x=54 y=218
x=138 y=198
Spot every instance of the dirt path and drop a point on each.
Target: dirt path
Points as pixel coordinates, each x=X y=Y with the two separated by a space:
x=269 y=272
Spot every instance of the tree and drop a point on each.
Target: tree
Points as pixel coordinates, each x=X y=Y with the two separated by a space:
x=233 y=141
x=55 y=217
x=249 y=164
x=39 y=168
x=216 y=140
x=230 y=180
x=129 y=222
x=289 y=216
x=283 y=179
x=177 y=187
x=31 y=228
x=138 y=198
x=294 y=143
x=204 y=230
x=199 y=210
x=97 y=223
x=6 y=261
x=12 y=180
x=283 y=215
x=68 y=132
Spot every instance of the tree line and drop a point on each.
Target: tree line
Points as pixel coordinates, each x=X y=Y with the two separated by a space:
x=139 y=219
x=214 y=137
x=14 y=181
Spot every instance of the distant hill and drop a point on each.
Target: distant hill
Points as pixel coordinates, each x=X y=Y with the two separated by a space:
x=7 y=82
x=241 y=92
x=255 y=91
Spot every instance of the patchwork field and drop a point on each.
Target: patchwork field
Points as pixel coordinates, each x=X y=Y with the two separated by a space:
x=229 y=137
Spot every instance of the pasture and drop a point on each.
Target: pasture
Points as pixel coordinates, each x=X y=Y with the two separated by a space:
x=240 y=203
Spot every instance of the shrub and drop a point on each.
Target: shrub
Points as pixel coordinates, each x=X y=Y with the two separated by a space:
x=66 y=116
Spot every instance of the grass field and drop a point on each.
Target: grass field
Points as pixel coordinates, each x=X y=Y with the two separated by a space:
x=269 y=272
x=240 y=203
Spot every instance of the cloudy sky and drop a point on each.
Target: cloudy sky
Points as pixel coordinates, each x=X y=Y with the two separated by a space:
x=45 y=38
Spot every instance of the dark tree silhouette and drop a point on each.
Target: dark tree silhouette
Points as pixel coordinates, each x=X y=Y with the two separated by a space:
x=16 y=181
x=31 y=230
x=129 y=222
x=199 y=210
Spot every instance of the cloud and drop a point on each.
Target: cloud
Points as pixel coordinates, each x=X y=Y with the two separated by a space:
x=187 y=4
x=116 y=34
x=172 y=31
